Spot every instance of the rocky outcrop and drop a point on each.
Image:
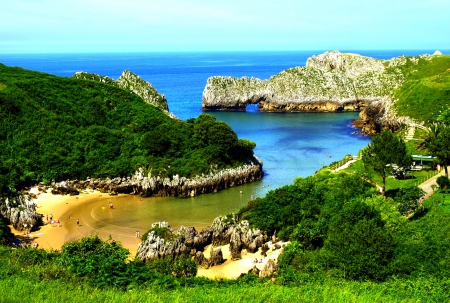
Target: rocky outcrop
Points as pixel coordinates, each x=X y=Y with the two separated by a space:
x=20 y=211
x=186 y=241
x=134 y=84
x=148 y=185
x=270 y=269
x=329 y=82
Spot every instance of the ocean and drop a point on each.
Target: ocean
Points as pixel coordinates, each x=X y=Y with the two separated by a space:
x=289 y=144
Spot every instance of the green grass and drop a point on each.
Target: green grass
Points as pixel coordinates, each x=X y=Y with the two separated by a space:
x=421 y=290
x=427 y=92
x=415 y=177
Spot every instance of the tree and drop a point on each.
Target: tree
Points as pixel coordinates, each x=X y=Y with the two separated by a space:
x=437 y=141
x=385 y=149
x=358 y=243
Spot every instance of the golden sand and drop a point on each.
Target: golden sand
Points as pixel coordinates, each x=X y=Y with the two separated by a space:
x=69 y=209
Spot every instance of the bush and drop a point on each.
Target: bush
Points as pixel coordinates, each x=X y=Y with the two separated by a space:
x=101 y=261
x=181 y=267
x=443 y=182
x=358 y=244
x=408 y=199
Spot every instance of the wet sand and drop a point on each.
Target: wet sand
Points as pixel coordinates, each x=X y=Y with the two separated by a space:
x=69 y=209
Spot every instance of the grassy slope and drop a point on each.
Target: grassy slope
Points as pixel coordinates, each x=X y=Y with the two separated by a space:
x=427 y=90
x=23 y=289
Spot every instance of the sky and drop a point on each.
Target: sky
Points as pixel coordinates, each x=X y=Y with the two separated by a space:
x=71 y=26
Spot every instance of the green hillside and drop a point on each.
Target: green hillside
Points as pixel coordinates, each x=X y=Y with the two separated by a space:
x=427 y=90
x=54 y=127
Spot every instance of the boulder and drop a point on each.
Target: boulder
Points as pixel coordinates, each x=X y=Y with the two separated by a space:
x=270 y=269
x=20 y=211
x=216 y=257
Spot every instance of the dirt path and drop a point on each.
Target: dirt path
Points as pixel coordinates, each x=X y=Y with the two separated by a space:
x=426 y=186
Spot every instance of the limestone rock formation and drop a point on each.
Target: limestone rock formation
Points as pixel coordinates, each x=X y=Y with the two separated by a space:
x=20 y=211
x=329 y=82
x=148 y=185
x=187 y=241
x=332 y=81
x=216 y=257
x=270 y=269
x=134 y=84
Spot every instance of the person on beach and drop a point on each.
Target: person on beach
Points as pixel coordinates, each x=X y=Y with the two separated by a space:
x=78 y=222
x=111 y=205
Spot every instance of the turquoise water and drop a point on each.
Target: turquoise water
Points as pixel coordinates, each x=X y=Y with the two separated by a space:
x=289 y=144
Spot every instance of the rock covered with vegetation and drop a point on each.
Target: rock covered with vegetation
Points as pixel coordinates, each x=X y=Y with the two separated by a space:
x=20 y=212
x=329 y=82
x=389 y=93
x=56 y=128
x=162 y=242
x=133 y=83
x=156 y=186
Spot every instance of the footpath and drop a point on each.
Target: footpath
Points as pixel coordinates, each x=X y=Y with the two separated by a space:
x=427 y=185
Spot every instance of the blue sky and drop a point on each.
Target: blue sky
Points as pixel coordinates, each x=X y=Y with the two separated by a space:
x=49 y=26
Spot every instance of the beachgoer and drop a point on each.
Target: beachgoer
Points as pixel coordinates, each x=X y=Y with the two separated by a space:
x=138 y=234
x=51 y=217
x=35 y=245
x=111 y=205
x=47 y=219
x=78 y=222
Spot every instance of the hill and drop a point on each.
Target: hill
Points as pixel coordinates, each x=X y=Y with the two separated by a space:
x=56 y=128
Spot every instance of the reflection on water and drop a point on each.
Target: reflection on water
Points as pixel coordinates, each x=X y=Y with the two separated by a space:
x=290 y=145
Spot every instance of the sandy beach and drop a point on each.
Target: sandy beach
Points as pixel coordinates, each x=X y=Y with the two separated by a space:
x=69 y=209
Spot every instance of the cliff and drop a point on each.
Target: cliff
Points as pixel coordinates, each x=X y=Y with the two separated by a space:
x=329 y=82
x=134 y=84
x=334 y=81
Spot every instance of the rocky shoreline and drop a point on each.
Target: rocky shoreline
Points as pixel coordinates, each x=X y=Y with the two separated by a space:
x=330 y=82
x=148 y=185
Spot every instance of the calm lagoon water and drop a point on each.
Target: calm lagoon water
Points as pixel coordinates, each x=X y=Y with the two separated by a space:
x=290 y=144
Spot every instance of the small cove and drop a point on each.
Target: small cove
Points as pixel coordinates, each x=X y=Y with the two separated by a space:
x=289 y=144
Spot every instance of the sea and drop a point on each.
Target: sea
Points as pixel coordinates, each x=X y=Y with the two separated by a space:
x=290 y=145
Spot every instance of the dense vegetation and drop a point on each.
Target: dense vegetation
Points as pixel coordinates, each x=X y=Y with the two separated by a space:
x=351 y=244
x=54 y=127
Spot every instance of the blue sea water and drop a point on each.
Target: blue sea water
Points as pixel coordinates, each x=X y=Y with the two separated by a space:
x=289 y=144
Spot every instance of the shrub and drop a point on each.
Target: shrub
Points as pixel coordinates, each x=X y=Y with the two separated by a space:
x=181 y=267
x=358 y=244
x=408 y=199
x=101 y=261
x=443 y=182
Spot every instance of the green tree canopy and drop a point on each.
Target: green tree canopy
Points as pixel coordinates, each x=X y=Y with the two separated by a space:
x=436 y=141
x=384 y=150
x=358 y=243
